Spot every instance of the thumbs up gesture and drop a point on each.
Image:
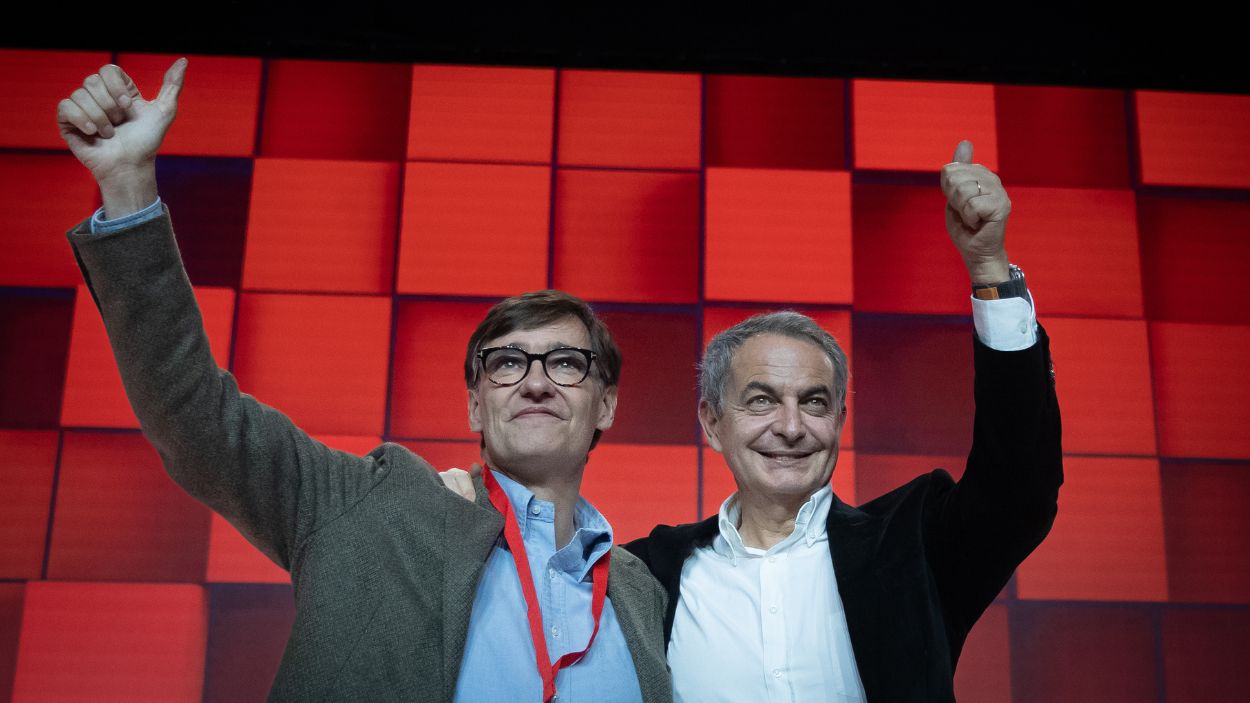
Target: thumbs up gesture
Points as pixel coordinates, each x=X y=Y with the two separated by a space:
x=976 y=216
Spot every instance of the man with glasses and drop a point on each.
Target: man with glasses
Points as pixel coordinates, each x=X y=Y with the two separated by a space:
x=403 y=590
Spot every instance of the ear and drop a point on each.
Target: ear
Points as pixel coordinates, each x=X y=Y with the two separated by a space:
x=711 y=423
x=475 y=407
x=607 y=408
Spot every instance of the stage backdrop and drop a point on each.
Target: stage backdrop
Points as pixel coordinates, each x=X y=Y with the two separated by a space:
x=347 y=224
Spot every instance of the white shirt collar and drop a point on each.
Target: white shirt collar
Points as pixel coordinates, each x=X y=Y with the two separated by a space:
x=809 y=527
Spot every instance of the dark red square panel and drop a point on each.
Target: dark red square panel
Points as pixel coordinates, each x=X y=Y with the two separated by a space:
x=835 y=322
x=48 y=194
x=903 y=258
x=322 y=226
x=248 y=628
x=628 y=236
x=1193 y=255
x=772 y=122
x=915 y=126
x=984 y=672
x=474 y=229
x=1107 y=542
x=119 y=517
x=321 y=359
x=879 y=474
x=1191 y=139
x=428 y=396
x=443 y=455
x=361 y=110
x=27 y=472
x=1064 y=238
x=718 y=480
x=1204 y=655
x=1065 y=137
x=94 y=396
x=1102 y=377
x=208 y=199
x=637 y=120
x=217 y=108
x=1082 y=653
x=778 y=235
x=1208 y=531
x=479 y=113
x=12 y=597
x=35 y=329
x=657 y=387
x=639 y=486
x=1202 y=386
x=33 y=82
x=112 y=642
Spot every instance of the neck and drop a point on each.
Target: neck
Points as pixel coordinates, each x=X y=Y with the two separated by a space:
x=764 y=523
x=560 y=491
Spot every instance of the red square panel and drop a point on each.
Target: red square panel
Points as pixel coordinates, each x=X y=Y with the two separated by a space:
x=630 y=236
x=1064 y=238
x=321 y=359
x=639 y=120
x=361 y=110
x=835 y=322
x=27 y=471
x=637 y=487
x=472 y=113
x=914 y=126
x=1208 y=531
x=879 y=474
x=428 y=395
x=35 y=327
x=218 y=108
x=1193 y=259
x=771 y=122
x=119 y=517
x=48 y=195
x=1189 y=139
x=1082 y=653
x=718 y=480
x=111 y=642
x=322 y=225
x=1087 y=126
x=657 y=397
x=94 y=396
x=1102 y=377
x=1205 y=654
x=984 y=673
x=904 y=259
x=472 y=229
x=443 y=455
x=1202 y=388
x=778 y=235
x=1107 y=542
x=33 y=82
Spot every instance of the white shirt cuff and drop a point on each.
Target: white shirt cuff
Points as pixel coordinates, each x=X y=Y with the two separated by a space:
x=1007 y=324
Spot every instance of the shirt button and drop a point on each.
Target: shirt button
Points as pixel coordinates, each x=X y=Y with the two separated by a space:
x=551 y=573
x=555 y=632
x=776 y=673
x=534 y=510
x=772 y=608
x=772 y=560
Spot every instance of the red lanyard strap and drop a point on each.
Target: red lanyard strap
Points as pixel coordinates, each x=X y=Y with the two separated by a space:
x=599 y=590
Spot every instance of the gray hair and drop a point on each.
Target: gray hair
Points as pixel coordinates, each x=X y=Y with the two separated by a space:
x=714 y=369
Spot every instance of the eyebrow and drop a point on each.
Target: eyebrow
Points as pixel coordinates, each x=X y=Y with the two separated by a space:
x=805 y=393
x=558 y=344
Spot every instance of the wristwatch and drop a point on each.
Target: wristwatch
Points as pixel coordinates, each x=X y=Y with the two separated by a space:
x=1011 y=288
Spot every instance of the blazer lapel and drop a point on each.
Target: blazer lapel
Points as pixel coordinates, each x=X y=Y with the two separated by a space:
x=470 y=532
x=853 y=543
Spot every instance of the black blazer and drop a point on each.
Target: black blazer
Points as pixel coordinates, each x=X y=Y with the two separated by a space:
x=917 y=566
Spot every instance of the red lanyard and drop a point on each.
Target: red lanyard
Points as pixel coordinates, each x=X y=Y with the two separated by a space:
x=599 y=591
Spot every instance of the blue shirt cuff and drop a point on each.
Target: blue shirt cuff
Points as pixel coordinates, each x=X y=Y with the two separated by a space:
x=99 y=225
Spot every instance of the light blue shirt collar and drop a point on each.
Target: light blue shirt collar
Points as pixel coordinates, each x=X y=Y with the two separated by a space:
x=592 y=535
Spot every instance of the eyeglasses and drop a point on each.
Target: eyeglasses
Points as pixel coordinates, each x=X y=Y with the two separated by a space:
x=508 y=366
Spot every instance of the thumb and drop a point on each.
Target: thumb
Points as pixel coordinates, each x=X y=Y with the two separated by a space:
x=172 y=85
x=963 y=152
x=475 y=470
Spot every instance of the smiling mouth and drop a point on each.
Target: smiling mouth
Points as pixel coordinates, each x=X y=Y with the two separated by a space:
x=536 y=412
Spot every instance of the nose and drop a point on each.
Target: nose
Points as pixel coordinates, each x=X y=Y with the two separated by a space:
x=536 y=384
x=788 y=422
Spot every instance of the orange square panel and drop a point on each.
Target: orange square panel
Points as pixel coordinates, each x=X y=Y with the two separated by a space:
x=474 y=229
x=111 y=642
x=1066 y=238
x=321 y=359
x=778 y=235
x=640 y=486
x=94 y=396
x=476 y=113
x=627 y=236
x=443 y=455
x=48 y=195
x=217 y=109
x=29 y=465
x=1208 y=531
x=1086 y=125
x=33 y=82
x=1190 y=139
x=1202 y=388
x=773 y=122
x=1107 y=542
x=428 y=396
x=322 y=226
x=915 y=126
x=835 y=322
x=637 y=120
x=1102 y=377
x=718 y=480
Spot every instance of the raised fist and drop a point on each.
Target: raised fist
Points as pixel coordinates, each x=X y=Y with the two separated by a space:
x=976 y=216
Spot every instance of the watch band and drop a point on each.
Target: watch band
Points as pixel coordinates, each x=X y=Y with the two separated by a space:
x=1011 y=288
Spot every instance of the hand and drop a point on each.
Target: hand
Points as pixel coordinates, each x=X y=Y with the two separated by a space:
x=976 y=216
x=460 y=482
x=116 y=133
